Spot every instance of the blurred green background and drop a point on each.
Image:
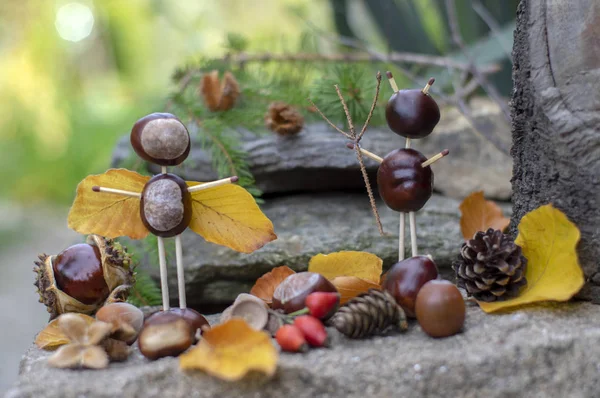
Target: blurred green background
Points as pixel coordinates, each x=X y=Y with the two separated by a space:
x=75 y=76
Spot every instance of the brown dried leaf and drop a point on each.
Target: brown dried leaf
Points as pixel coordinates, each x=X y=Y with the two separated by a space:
x=265 y=285
x=479 y=214
x=52 y=337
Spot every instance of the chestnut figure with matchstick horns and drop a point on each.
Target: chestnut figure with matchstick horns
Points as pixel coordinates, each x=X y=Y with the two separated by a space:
x=404 y=177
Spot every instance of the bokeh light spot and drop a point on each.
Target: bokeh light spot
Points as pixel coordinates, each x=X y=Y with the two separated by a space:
x=74 y=21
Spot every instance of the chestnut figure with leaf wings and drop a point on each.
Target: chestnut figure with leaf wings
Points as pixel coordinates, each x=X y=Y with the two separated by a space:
x=121 y=202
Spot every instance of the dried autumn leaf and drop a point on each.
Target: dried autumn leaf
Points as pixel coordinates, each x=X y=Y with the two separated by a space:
x=211 y=90
x=107 y=214
x=479 y=214
x=351 y=286
x=230 y=350
x=51 y=337
x=549 y=241
x=265 y=285
x=228 y=215
x=348 y=263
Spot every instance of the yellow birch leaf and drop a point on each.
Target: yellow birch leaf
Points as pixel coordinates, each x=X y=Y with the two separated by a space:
x=51 y=337
x=478 y=214
x=350 y=286
x=230 y=350
x=107 y=214
x=549 y=241
x=348 y=263
x=228 y=215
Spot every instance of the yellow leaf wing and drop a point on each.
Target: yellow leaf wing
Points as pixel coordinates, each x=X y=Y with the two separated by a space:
x=478 y=214
x=350 y=286
x=107 y=214
x=549 y=241
x=228 y=215
x=230 y=350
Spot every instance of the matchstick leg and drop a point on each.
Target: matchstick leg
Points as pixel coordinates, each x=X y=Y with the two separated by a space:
x=180 y=272
x=224 y=181
x=413 y=232
x=162 y=261
x=401 y=237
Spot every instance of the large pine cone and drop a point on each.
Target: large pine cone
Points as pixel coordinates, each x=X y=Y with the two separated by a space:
x=491 y=267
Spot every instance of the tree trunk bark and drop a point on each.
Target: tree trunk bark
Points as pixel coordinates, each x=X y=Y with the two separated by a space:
x=556 y=119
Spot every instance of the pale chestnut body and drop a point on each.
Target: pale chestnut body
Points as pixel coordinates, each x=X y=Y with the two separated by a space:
x=166 y=205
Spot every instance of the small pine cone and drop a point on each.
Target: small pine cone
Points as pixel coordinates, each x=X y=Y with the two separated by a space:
x=368 y=314
x=491 y=267
x=283 y=119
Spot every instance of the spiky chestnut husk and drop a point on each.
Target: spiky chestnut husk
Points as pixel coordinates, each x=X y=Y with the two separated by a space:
x=117 y=271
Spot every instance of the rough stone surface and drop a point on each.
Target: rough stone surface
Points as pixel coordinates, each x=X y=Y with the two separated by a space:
x=317 y=159
x=548 y=351
x=556 y=146
x=307 y=225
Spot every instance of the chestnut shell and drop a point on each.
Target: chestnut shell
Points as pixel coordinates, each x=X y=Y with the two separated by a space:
x=136 y=140
x=186 y=200
x=412 y=114
x=404 y=185
x=292 y=292
x=405 y=279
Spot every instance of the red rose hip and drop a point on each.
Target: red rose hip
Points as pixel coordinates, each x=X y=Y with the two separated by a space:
x=313 y=330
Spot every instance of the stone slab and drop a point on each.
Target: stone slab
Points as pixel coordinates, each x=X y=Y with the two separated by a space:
x=547 y=351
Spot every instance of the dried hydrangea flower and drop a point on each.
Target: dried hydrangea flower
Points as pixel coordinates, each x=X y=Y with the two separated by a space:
x=84 y=350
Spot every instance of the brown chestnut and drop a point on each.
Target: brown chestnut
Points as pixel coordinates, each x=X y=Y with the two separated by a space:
x=440 y=308
x=165 y=334
x=412 y=113
x=196 y=320
x=166 y=205
x=127 y=320
x=78 y=272
x=161 y=138
x=292 y=292
x=405 y=279
x=404 y=185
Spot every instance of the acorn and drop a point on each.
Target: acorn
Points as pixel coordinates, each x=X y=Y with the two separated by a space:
x=84 y=277
x=166 y=205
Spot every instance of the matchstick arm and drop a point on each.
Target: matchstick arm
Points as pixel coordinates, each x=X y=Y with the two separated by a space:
x=229 y=180
x=368 y=154
x=116 y=191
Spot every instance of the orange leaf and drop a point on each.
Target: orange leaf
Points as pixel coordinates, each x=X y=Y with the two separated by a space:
x=351 y=286
x=265 y=285
x=348 y=263
x=230 y=350
x=107 y=214
x=52 y=337
x=479 y=214
x=228 y=215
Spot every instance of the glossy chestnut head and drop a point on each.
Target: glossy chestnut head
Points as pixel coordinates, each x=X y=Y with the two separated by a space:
x=412 y=114
x=291 y=294
x=161 y=138
x=404 y=185
x=166 y=205
x=165 y=334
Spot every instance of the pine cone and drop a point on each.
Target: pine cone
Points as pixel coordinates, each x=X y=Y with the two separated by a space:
x=368 y=314
x=283 y=119
x=491 y=267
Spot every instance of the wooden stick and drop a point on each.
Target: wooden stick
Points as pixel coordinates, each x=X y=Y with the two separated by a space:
x=407 y=143
x=229 y=180
x=435 y=158
x=329 y=121
x=413 y=232
x=392 y=81
x=180 y=272
x=373 y=105
x=368 y=154
x=428 y=85
x=162 y=261
x=116 y=191
x=346 y=111
x=163 y=169
x=401 y=240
